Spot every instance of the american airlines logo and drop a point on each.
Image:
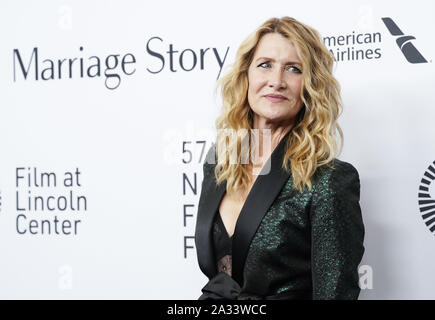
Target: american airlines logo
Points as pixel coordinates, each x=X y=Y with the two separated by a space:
x=404 y=42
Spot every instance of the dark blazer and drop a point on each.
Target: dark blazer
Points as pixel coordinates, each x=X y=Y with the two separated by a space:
x=286 y=244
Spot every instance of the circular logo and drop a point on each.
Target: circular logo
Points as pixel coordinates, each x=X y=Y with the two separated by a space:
x=425 y=201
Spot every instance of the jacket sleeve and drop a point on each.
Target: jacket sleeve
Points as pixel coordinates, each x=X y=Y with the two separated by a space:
x=337 y=234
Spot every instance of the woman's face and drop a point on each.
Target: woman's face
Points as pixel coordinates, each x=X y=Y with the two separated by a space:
x=275 y=81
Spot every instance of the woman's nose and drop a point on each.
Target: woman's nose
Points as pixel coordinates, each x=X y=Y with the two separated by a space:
x=276 y=80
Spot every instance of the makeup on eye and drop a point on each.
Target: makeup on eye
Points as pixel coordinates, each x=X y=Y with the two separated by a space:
x=295 y=68
x=289 y=66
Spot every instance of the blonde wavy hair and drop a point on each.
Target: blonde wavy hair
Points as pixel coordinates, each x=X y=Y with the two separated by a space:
x=312 y=140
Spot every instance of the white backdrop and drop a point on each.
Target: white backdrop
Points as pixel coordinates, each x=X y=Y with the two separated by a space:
x=118 y=153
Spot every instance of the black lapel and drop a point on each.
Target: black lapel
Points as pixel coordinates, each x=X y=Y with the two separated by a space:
x=264 y=191
x=211 y=196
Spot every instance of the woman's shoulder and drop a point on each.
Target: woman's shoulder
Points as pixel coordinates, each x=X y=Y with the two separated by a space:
x=343 y=167
x=336 y=173
x=209 y=161
x=210 y=157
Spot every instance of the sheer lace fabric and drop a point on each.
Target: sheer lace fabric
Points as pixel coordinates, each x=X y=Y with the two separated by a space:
x=222 y=246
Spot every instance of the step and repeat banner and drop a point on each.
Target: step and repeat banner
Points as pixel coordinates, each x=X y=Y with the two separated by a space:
x=107 y=109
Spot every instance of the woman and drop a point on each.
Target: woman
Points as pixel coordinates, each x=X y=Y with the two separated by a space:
x=294 y=229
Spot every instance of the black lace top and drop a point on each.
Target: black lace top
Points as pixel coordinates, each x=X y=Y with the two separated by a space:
x=222 y=245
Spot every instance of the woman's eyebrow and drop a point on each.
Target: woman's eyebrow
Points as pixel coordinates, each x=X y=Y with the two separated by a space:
x=271 y=59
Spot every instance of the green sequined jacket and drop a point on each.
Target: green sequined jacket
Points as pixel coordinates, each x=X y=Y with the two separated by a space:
x=286 y=244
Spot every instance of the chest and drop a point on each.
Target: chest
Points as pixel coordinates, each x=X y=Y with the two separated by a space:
x=230 y=207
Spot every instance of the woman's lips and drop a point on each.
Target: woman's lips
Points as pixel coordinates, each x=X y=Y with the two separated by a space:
x=273 y=98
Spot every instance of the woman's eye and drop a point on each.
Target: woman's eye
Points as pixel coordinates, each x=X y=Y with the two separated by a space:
x=290 y=68
x=265 y=65
x=294 y=69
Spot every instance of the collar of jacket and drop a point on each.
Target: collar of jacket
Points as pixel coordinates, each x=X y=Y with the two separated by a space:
x=261 y=196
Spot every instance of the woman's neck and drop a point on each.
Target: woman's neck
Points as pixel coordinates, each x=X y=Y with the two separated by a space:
x=266 y=136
